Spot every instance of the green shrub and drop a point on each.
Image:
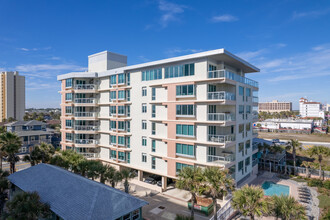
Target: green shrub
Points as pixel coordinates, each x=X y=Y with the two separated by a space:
x=326 y=184
x=315 y=183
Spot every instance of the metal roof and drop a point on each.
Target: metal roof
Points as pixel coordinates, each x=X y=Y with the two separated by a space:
x=25 y=123
x=74 y=197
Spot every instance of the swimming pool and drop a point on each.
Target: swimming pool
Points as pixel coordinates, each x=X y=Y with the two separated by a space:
x=271 y=188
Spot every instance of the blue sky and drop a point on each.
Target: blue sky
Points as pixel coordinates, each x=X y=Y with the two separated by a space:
x=288 y=40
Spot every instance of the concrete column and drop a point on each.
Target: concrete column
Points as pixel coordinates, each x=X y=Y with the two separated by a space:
x=164 y=183
x=140 y=175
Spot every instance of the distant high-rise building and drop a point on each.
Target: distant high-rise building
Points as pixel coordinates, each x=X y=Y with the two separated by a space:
x=274 y=106
x=12 y=96
x=310 y=109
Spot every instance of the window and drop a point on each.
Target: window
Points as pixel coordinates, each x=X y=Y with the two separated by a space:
x=153 y=111
x=180 y=70
x=153 y=163
x=185 y=110
x=153 y=94
x=144 y=157
x=113 y=125
x=136 y=214
x=121 y=95
x=113 y=95
x=241 y=128
x=68 y=110
x=113 y=154
x=151 y=74
x=144 y=124
x=121 y=125
x=128 y=95
x=121 y=78
x=113 y=139
x=121 y=156
x=185 y=149
x=121 y=110
x=68 y=96
x=121 y=140
x=112 y=110
x=68 y=83
x=240 y=165
x=247 y=161
x=185 y=90
x=241 y=91
x=128 y=109
x=153 y=128
x=144 y=91
x=248 y=127
x=113 y=80
x=240 y=147
x=248 y=144
x=68 y=136
x=248 y=109
x=248 y=92
x=144 y=108
x=180 y=166
x=128 y=78
x=153 y=146
x=144 y=141
x=185 y=130
x=241 y=109
x=68 y=123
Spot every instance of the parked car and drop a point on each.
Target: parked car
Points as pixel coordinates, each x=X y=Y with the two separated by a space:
x=150 y=180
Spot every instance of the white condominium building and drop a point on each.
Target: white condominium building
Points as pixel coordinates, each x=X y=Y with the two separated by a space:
x=310 y=109
x=274 y=106
x=12 y=96
x=158 y=117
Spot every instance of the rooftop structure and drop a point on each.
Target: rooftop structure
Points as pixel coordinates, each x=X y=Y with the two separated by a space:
x=73 y=197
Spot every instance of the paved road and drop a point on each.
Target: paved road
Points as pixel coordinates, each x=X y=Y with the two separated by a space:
x=308 y=144
x=19 y=165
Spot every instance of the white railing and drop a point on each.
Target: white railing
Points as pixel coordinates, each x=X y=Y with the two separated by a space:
x=85 y=141
x=222 y=95
x=85 y=87
x=221 y=138
x=221 y=117
x=85 y=114
x=86 y=128
x=220 y=159
x=85 y=100
x=91 y=155
x=233 y=76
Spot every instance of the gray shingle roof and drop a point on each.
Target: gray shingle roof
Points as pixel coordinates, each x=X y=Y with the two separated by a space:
x=72 y=196
x=31 y=133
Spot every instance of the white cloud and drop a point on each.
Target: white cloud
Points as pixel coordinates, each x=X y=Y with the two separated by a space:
x=224 y=18
x=33 y=49
x=313 y=14
x=49 y=67
x=178 y=51
x=170 y=12
x=248 y=55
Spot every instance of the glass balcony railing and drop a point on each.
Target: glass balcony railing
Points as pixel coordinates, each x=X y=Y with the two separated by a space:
x=85 y=100
x=85 y=114
x=221 y=138
x=254 y=162
x=233 y=76
x=255 y=99
x=90 y=155
x=220 y=159
x=221 y=95
x=86 y=128
x=220 y=117
x=85 y=87
x=85 y=141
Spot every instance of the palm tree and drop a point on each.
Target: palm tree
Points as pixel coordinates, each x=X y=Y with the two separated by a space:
x=26 y=206
x=2 y=130
x=73 y=159
x=286 y=207
x=294 y=145
x=217 y=184
x=263 y=148
x=249 y=200
x=112 y=175
x=183 y=217
x=11 y=143
x=95 y=169
x=41 y=153
x=320 y=152
x=126 y=174
x=190 y=179
x=4 y=186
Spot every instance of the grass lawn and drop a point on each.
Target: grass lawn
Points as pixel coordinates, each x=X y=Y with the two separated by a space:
x=299 y=180
x=324 y=201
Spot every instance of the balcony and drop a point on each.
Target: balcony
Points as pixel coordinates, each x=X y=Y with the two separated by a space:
x=220 y=117
x=254 y=147
x=222 y=95
x=221 y=138
x=85 y=114
x=255 y=99
x=254 y=132
x=232 y=76
x=220 y=159
x=85 y=141
x=85 y=100
x=85 y=87
x=254 y=162
x=90 y=155
x=86 y=128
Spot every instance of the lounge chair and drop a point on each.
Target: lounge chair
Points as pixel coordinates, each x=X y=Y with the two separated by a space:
x=304 y=201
